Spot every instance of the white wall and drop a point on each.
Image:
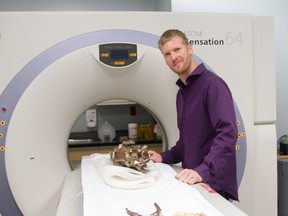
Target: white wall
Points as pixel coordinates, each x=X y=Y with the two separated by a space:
x=85 y=5
x=277 y=9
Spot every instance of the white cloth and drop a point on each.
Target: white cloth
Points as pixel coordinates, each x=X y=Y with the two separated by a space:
x=170 y=194
x=126 y=178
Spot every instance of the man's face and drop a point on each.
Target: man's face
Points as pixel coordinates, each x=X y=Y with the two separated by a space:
x=177 y=55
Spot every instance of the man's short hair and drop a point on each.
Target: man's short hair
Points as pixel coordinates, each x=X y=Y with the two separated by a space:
x=168 y=34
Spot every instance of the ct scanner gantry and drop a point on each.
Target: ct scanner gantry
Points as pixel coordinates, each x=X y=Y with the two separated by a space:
x=51 y=74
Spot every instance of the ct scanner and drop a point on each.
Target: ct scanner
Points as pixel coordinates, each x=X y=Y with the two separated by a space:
x=52 y=73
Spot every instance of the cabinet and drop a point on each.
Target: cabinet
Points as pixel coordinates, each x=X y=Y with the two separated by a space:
x=282 y=187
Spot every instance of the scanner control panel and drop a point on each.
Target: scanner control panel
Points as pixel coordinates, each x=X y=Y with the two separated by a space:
x=118 y=54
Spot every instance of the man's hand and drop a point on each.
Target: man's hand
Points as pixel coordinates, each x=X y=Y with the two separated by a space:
x=154 y=156
x=189 y=176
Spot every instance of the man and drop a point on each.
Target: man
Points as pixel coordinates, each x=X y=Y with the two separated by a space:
x=206 y=121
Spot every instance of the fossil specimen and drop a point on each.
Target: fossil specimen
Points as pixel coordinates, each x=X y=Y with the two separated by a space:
x=156 y=213
x=130 y=155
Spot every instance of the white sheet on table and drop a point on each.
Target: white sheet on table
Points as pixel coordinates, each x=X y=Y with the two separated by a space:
x=170 y=194
x=126 y=178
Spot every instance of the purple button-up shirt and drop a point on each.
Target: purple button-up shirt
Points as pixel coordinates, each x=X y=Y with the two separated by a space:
x=208 y=131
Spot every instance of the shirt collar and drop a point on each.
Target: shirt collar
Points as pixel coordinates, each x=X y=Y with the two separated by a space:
x=196 y=73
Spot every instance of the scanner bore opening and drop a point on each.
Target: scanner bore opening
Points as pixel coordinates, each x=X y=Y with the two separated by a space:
x=84 y=135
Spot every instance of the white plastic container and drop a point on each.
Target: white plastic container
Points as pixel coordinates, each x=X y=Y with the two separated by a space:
x=132 y=130
x=106 y=132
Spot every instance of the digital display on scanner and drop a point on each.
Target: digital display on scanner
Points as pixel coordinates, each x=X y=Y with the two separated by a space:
x=119 y=54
